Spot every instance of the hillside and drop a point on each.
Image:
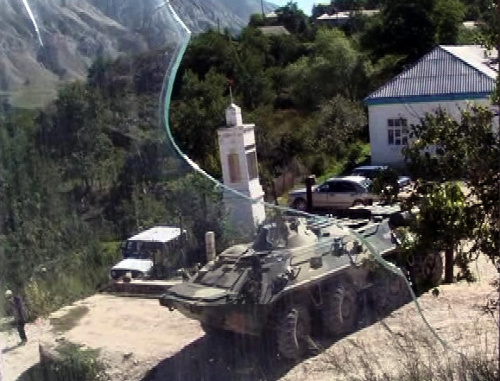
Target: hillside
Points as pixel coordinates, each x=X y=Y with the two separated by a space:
x=75 y=32
x=142 y=341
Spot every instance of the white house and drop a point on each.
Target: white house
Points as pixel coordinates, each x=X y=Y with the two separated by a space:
x=449 y=77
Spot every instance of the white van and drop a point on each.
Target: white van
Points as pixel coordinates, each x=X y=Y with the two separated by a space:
x=152 y=254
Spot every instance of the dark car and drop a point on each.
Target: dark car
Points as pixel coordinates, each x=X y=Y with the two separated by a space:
x=371 y=171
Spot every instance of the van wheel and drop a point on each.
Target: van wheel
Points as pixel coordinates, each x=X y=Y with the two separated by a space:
x=293 y=333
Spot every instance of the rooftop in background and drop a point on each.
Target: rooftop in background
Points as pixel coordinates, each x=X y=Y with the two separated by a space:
x=348 y=14
x=470 y=24
x=274 y=30
x=157 y=234
x=447 y=72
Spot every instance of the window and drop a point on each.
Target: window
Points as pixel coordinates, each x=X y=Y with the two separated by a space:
x=342 y=187
x=350 y=188
x=335 y=186
x=234 y=168
x=253 y=171
x=397 y=132
x=324 y=188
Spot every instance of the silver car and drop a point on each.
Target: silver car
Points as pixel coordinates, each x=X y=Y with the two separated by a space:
x=335 y=193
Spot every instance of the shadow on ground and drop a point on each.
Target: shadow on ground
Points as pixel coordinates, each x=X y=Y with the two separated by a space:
x=34 y=373
x=12 y=347
x=226 y=357
x=220 y=358
x=214 y=358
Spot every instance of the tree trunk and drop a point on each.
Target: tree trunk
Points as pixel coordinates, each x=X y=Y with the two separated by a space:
x=448 y=266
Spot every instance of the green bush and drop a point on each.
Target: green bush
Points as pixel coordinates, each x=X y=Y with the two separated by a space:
x=74 y=363
x=386 y=184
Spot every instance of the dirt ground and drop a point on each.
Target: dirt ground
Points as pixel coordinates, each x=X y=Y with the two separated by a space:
x=142 y=341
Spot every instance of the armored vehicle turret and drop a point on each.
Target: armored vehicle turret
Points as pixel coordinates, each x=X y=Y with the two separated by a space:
x=297 y=274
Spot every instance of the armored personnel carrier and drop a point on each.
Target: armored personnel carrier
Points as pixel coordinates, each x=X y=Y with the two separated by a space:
x=300 y=274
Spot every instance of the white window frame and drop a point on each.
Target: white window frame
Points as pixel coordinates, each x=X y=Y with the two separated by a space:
x=397 y=131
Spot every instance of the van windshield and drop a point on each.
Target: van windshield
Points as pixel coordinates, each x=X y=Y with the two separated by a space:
x=141 y=249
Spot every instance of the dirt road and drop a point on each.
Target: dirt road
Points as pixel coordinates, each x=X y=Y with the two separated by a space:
x=139 y=340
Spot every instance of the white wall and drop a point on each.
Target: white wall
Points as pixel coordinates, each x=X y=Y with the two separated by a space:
x=381 y=151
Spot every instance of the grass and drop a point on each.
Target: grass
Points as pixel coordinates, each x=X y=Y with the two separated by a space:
x=69 y=320
x=413 y=356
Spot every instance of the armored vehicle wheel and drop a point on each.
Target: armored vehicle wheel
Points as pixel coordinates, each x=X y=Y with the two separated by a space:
x=427 y=271
x=389 y=292
x=214 y=331
x=340 y=310
x=293 y=332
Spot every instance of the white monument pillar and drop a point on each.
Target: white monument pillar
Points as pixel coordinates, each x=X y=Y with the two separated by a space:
x=238 y=157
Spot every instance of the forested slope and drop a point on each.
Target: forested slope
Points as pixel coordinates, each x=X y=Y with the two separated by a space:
x=94 y=166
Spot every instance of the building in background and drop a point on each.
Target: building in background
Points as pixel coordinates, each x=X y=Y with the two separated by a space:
x=448 y=78
x=342 y=18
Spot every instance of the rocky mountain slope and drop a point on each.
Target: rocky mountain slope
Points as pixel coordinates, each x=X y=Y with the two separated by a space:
x=75 y=32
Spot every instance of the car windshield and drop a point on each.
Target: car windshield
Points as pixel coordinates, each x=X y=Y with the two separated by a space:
x=370 y=173
x=141 y=249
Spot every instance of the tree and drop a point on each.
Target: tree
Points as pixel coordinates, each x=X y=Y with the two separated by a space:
x=210 y=50
x=253 y=56
x=340 y=122
x=443 y=149
x=413 y=28
x=448 y=17
x=442 y=223
x=197 y=116
x=349 y=5
x=37 y=227
x=293 y=19
x=335 y=67
x=257 y=20
x=77 y=134
x=285 y=49
x=408 y=28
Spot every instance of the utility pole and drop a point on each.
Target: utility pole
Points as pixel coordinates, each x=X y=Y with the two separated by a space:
x=262 y=8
